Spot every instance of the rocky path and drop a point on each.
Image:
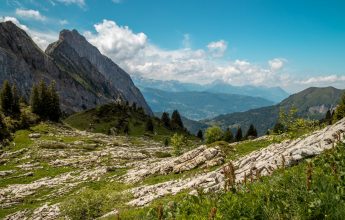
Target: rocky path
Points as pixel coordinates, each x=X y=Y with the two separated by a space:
x=260 y=162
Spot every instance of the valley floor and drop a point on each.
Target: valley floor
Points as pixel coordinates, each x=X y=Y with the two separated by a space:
x=53 y=171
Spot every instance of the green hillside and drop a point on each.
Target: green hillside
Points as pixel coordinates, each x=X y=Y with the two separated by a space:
x=311 y=103
x=114 y=119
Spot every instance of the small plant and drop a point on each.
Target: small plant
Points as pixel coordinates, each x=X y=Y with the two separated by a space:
x=212 y=214
x=213 y=134
x=309 y=175
x=178 y=141
x=229 y=177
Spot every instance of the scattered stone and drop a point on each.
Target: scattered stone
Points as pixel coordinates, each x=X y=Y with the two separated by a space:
x=6 y=172
x=34 y=135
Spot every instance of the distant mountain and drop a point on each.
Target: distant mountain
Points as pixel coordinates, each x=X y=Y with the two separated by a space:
x=84 y=77
x=311 y=103
x=200 y=105
x=275 y=94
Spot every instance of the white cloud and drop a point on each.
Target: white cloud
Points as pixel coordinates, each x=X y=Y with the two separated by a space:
x=42 y=39
x=80 y=3
x=330 y=79
x=116 y=41
x=217 y=48
x=63 y=22
x=137 y=55
x=186 y=41
x=30 y=14
x=276 y=63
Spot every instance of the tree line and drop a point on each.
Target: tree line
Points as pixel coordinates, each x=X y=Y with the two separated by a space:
x=15 y=113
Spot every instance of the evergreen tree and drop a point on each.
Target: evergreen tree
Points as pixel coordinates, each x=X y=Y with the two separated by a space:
x=340 y=111
x=328 y=118
x=200 y=135
x=251 y=131
x=166 y=142
x=35 y=100
x=166 y=119
x=278 y=128
x=228 y=137
x=149 y=125
x=6 y=98
x=239 y=135
x=134 y=106
x=15 y=102
x=4 y=133
x=126 y=129
x=176 y=121
x=54 y=111
x=45 y=100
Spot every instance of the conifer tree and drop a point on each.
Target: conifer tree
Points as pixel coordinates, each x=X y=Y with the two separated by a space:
x=149 y=125
x=239 y=135
x=6 y=98
x=4 y=133
x=35 y=100
x=166 y=119
x=54 y=111
x=44 y=100
x=176 y=121
x=251 y=131
x=340 y=111
x=228 y=137
x=15 y=102
x=200 y=135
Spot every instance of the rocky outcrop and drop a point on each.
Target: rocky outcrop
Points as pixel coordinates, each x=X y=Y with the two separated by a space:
x=80 y=83
x=199 y=157
x=261 y=162
x=96 y=69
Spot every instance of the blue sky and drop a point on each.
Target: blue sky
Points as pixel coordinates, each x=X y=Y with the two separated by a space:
x=293 y=44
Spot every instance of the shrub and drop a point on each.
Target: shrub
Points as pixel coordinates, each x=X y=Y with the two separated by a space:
x=178 y=141
x=213 y=134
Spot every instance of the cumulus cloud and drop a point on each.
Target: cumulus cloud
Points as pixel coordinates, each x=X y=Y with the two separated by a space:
x=276 y=63
x=217 y=48
x=119 y=42
x=30 y=14
x=63 y=22
x=42 y=39
x=137 y=55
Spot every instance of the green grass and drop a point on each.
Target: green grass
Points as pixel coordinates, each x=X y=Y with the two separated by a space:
x=284 y=195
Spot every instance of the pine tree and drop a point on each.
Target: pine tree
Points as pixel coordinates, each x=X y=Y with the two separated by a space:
x=4 y=133
x=251 y=132
x=200 y=135
x=35 y=100
x=228 y=137
x=340 y=111
x=6 y=98
x=44 y=100
x=239 y=135
x=15 y=102
x=149 y=125
x=166 y=119
x=176 y=121
x=54 y=111
x=126 y=129
x=279 y=128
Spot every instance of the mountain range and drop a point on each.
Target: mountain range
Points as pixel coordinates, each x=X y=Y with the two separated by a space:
x=84 y=77
x=200 y=105
x=274 y=94
x=311 y=103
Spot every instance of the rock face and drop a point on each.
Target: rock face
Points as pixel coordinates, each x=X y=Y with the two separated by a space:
x=261 y=162
x=96 y=69
x=80 y=83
